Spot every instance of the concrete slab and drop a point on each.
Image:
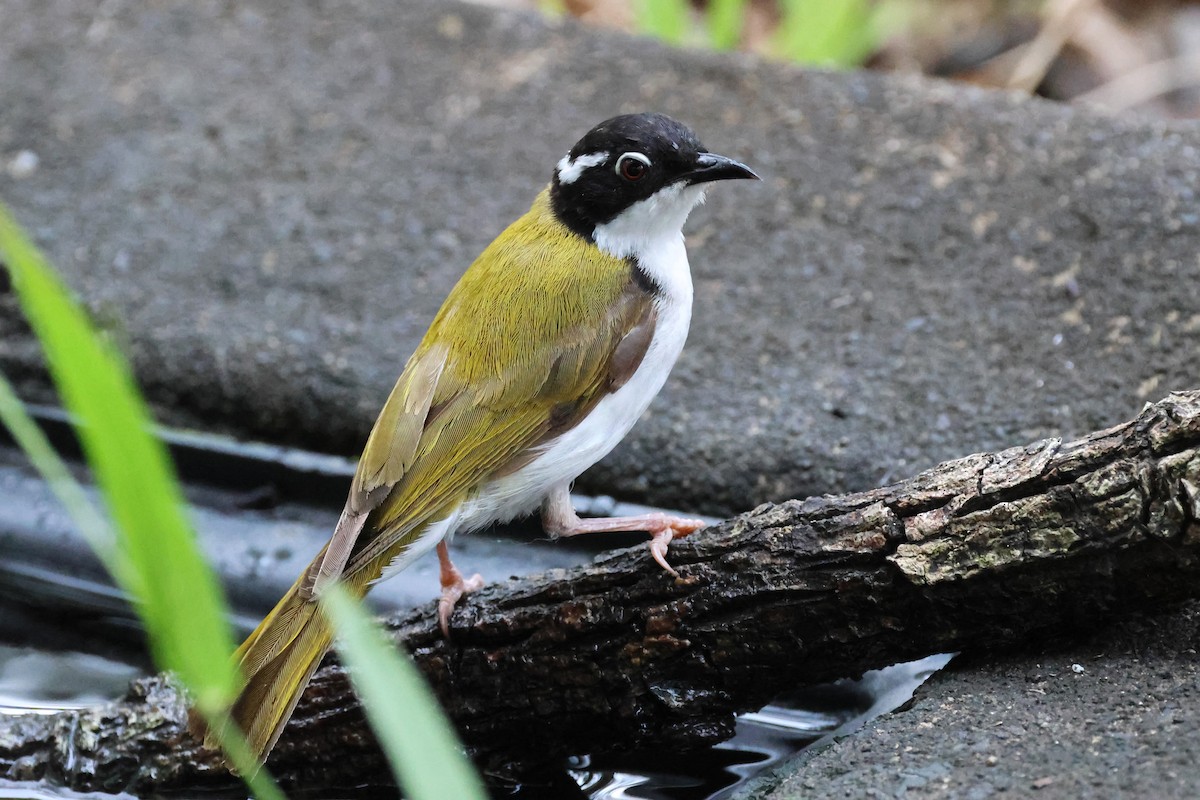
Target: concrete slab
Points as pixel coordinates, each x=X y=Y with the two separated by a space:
x=1110 y=716
x=267 y=202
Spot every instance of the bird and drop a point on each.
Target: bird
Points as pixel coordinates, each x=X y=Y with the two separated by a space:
x=541 y=359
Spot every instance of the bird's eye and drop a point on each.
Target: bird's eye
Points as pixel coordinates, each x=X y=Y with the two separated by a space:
x=632 y=166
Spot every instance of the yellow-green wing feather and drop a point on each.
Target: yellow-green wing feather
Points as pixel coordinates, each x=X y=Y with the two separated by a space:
x=392 y=445
x=388 y=454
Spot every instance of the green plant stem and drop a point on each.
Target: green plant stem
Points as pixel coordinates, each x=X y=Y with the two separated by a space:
x=256 y=777
x=421 y=746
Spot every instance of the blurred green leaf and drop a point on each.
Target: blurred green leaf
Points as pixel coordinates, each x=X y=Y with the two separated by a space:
x=154 y=553
x=832 y=33
x=668 y=20
x=237 y=751
x=422 y=748
x=725 y=23
x=33 y=442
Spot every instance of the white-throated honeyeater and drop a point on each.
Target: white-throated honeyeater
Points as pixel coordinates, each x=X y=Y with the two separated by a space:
x=544 y=355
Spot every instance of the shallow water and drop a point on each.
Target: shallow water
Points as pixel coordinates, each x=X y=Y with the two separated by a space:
x=40 y=682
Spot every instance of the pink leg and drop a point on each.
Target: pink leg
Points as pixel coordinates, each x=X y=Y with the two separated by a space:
x=559 y=519
x=453 y=587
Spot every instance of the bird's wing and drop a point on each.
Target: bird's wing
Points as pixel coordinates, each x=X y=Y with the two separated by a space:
x=387 y=456
x=520 y=353
x=475 y=432
x=392 y=445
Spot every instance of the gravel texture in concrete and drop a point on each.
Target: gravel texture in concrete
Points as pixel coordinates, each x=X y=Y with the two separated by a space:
x=1111 y=716
x=266 y=203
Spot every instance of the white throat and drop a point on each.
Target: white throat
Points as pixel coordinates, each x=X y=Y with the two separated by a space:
x=651 y=232
x=647 y=222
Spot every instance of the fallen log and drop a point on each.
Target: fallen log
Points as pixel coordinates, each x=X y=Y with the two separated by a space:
x=976 y=554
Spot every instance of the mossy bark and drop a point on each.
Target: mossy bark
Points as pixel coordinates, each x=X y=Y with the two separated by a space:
x=981 y=553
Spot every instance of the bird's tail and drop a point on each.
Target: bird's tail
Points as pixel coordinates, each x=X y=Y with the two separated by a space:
x=277 y=660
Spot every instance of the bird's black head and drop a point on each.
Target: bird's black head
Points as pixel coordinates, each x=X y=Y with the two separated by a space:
x=628 y=159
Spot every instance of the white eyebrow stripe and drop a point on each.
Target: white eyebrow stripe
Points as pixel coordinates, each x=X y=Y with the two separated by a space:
x=569 y=171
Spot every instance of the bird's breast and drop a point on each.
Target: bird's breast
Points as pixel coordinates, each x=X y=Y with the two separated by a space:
x=566 y=457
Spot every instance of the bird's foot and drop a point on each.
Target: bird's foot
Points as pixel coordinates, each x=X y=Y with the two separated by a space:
x=454 y=586
x=559 y=519
x=665 y=529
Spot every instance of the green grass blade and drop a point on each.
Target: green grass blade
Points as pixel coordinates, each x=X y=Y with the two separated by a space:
x=61 y=324
x=160 y=565
x=153 y=553
x=262 y=786
x=87 y=518
x=418 y=740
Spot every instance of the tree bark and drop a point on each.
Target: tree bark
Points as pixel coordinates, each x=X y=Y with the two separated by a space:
x=980 y=553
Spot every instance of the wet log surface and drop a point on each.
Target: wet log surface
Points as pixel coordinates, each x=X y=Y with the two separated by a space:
x=980 y=553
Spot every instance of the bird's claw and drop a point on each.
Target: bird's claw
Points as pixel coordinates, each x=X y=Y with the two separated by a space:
x=452 y=592
x=661 y=538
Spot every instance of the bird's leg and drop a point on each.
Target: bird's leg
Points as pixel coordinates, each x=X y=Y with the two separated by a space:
x=559 y=519
x=454 y=586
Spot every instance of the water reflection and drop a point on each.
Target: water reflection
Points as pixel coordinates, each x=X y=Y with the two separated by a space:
x=39 y=682
x=763 y=740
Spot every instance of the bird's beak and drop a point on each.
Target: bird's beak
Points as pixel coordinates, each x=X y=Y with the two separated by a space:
x=712 y=167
